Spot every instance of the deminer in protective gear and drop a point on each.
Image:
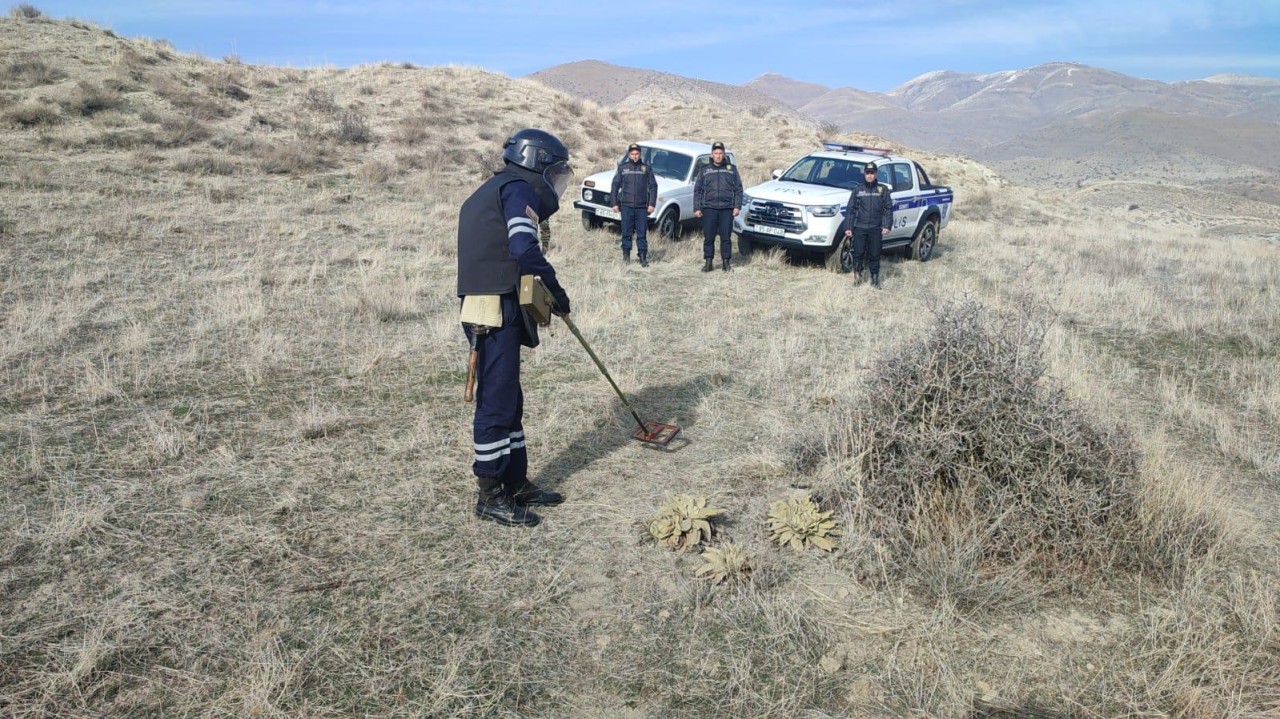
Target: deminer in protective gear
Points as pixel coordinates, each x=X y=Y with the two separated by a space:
x=497 y=243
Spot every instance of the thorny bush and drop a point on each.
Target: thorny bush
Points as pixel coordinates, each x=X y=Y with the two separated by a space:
x=962 y=439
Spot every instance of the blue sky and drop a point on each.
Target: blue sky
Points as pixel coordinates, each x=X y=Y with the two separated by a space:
x=869 y=45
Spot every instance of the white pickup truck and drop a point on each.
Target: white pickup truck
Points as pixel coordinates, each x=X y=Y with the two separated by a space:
x=674 y=163
x=803 y=208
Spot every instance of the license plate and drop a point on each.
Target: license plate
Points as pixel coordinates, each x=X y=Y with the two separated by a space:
x=609 y=214
x=769 y=230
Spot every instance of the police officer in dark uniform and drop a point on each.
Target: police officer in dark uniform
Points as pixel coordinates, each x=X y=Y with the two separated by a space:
x=497 y=243
x=867 y=220
x=717 y=199
x=635 y=192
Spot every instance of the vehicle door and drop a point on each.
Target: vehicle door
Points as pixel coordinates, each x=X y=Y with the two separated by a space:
x=906 y=209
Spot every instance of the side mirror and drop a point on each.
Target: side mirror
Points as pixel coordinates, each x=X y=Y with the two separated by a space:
x=777 y=174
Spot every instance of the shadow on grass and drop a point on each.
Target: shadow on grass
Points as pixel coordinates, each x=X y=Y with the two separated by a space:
x=669 y=403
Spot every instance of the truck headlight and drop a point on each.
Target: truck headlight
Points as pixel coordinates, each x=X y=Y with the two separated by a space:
x=824 y=210
x=746 y=200
x=586 y=195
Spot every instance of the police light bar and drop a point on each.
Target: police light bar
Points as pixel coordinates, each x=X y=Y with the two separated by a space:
x=842 y=147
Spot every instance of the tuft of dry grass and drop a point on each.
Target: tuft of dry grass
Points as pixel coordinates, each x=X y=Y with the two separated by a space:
x=91 y=99
x=293 y=158
x=29 y=72
x=31 y=115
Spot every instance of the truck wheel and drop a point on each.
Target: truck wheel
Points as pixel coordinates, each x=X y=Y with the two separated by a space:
x=590 y=221
x=841 y=258
x=669 y=224
x=744 y=245
x=926 y=237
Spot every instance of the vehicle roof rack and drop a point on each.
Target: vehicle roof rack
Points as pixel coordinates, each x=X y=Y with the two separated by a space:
x=843 y=147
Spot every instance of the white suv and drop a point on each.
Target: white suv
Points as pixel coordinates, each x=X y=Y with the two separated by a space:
x=803 y=207
x=674 y=163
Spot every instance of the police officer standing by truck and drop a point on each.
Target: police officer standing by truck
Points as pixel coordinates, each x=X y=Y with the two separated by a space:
x=867 y=220
x=634 y=192
x=497 y=243
x=717 y=199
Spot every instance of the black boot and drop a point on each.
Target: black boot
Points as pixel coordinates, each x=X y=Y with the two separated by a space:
x=644 y=259
x=857 y=275
x=496 y=505
x=530 y=493
x=708 y=266
x=875 y=279
x=626 y=257
x=724 y=264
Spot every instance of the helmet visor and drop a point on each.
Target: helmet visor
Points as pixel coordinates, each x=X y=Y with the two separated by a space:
x=558 y=176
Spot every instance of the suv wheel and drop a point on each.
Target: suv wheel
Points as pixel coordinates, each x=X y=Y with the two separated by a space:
x=926 y=237
x=669 y=223
x=590 y=221
x=841 y=258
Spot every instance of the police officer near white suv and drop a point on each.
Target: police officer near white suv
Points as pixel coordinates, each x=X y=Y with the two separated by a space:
x=635 y=192
x=868 y=218
x=717 y=199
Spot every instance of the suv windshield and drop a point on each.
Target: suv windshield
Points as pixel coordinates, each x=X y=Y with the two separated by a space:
x=829 y=171
x=665 y=163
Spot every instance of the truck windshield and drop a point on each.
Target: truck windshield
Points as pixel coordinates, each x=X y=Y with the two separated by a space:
x=665 y=163
x=833 y=172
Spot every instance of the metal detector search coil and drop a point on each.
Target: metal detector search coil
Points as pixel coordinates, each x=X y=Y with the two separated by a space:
x=649 y=432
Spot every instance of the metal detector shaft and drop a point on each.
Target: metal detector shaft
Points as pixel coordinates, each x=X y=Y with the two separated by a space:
x=574 y=329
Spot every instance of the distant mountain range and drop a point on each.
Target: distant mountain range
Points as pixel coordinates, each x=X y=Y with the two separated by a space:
x=1023 y=122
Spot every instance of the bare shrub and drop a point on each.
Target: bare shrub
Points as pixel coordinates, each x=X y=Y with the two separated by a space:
x=294 y=158
x=651 y=124
x=25 y=11
x=90 y=99
x=977 y=465
x=352 y=128
x=319 y=100
x=31 y=115
x=29 y=72
x=759 y=110
x=828 y=129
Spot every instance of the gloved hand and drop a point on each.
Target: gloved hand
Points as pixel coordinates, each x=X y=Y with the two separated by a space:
x=562 y=303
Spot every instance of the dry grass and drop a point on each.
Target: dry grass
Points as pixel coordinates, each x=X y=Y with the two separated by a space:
x=235 y=454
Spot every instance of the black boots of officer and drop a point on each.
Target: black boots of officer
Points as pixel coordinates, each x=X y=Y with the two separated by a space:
x=626 y=257
x=724 y=264
x=875 y=279
x=495 y=505
x=709 y=265
x=644 y=259
x=511 y=508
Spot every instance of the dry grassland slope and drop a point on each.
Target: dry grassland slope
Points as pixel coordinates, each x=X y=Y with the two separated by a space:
x=233 y=451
